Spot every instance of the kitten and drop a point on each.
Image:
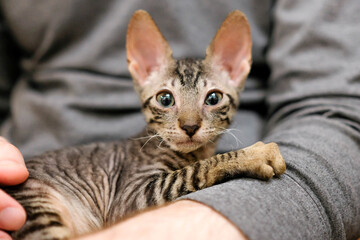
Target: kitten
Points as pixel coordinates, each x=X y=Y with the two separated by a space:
x=187 y=104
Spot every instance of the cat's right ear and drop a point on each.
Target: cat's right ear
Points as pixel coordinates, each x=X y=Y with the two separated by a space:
x=147 y=49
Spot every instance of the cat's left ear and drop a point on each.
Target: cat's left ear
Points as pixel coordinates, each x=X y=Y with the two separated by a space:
x=147 y=49
x=230 y=50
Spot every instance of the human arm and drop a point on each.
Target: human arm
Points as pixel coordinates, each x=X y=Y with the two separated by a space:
x=180 y=220
x=314 y=101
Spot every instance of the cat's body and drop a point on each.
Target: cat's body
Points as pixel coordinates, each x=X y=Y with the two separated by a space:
x=105 y=182
x=187 y=104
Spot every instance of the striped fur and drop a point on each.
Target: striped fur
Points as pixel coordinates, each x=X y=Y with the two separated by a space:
x=82 y=189
x=79 y=190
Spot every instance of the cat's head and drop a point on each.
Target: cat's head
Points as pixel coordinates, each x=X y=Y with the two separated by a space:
x=189 y=102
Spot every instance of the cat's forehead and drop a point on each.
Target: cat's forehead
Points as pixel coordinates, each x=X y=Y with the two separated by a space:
x=187 y=72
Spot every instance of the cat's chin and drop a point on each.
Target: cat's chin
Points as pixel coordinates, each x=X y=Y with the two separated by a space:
x=185 y=146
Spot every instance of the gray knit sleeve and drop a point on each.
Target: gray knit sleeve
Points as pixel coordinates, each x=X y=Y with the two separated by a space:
x=74 y=86
x=314 y=101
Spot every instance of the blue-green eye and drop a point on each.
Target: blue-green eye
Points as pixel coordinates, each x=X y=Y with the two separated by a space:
x=213 y=98
x=166 y=99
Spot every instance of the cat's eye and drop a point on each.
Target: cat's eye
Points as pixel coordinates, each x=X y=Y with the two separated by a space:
x=166 y=99
x=213 y=98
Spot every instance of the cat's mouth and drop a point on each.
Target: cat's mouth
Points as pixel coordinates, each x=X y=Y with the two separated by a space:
x=186 y=146
x=188 y=142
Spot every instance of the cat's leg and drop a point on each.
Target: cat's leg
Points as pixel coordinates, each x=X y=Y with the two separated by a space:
x=260 y=160
x=50 y=215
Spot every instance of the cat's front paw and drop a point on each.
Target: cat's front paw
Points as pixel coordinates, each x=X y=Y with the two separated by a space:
x=265 y=160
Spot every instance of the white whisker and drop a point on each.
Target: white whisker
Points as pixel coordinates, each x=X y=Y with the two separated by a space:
x=159 y=146
x=151 y=137
x=139 y=138
x=228 y=131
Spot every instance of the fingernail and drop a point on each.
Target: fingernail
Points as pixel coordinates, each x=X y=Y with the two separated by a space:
x=11 y=218
x=6 y=165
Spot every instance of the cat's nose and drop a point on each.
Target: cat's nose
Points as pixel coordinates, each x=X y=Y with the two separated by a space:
x=190 y=130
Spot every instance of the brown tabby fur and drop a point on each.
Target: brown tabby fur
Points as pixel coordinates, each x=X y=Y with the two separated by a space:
x=78 y=190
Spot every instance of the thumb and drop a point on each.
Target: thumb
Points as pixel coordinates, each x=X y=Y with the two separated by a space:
x=12 y=166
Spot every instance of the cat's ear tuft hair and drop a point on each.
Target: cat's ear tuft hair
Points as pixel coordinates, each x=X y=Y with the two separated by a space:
x=146 y=47
x=231 y=48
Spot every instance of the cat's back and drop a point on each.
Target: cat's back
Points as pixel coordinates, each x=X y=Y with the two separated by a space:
x=79 y=183
x=85 y=161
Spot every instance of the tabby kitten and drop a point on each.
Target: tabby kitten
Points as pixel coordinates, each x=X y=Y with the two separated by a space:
x=187 y=104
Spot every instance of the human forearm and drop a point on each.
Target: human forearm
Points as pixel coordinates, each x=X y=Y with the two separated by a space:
x=327 y=136
x=179 y=220
x=315 y=199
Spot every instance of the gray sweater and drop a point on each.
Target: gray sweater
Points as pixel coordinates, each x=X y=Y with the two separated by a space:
x=64 y=81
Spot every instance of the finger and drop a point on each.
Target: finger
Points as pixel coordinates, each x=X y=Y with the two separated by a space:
x=12 y=166
x=4 y=236
x=12 y=214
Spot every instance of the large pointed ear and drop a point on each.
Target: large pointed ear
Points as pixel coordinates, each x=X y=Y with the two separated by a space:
x=146 y=48
x=231 y=48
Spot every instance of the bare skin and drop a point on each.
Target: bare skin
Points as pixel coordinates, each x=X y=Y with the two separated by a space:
x=12 y=172
x=175 y=221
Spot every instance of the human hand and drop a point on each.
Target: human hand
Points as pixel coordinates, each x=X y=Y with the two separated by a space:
x=12 y=171
x=180 y=220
